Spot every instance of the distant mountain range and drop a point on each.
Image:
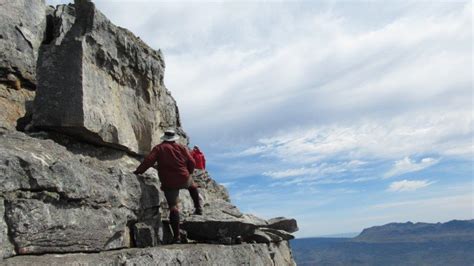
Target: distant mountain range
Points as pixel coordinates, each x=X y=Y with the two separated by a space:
x=418 y=232
x=450 y=243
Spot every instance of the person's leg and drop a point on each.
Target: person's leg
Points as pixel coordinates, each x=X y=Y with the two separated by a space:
x=172 y=199
x=193 y=191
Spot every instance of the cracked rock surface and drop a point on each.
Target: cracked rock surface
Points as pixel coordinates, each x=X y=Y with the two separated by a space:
x=189 y=254
x=57 y=201
x=22 y=30
x=101 y=83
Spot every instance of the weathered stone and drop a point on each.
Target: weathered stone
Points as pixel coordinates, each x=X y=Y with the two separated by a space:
x=185 y=254
x=219 y=220
x=6 y=247
x=22 y=29
x=144 y=235
x=282 y=223
x=101 y=83
x=38 y=227
x=281 y=234
x=60 y=201
x=255 y=220
x=14 y=104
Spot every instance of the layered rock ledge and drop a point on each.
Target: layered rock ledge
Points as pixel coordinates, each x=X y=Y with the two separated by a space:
x=189 y=254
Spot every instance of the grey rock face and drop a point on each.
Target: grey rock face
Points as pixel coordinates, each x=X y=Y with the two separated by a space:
x=99 y=82
x=6 y=247
x=190 y=254
x=40 y=227
x=22 y=29
x=58 y=201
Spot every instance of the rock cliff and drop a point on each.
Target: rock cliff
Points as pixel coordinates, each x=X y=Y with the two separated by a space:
x=99 y=82
x=66 y=182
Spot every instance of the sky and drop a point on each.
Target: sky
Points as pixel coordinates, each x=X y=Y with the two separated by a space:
x=340 y=114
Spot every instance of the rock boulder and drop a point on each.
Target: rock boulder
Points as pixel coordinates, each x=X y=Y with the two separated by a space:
x=282 y=223
x=70 y=198
x=101 y=83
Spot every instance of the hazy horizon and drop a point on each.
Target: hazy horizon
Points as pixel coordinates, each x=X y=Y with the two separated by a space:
x=343 y=115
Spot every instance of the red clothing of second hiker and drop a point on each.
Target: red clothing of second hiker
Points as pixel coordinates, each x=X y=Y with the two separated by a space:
x=175 y=164
x=199 y=159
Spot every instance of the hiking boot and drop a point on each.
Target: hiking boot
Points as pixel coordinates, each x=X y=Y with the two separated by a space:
x=198 y=211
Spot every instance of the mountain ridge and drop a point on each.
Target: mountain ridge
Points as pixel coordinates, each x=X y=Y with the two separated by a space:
x=374 y=246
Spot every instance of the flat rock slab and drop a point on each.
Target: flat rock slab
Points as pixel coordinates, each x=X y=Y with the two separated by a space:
x=220 y=219
x=282 y=223
x=184 y=254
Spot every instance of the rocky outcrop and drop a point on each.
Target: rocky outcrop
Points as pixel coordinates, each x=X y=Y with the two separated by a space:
x=57 y=201
x=190 y=254
x=101 y=83
x=66 y=185
x=62 y=196
x=22 y=30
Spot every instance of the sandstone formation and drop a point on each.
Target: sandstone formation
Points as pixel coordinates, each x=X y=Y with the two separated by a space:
x=14 y=105
x=66 y=184
x=101 y=83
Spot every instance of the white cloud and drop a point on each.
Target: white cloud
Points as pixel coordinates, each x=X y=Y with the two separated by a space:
x=315 y=171
x=408 y=185
x=440 y=133
x=406 y=166
x=242 y=70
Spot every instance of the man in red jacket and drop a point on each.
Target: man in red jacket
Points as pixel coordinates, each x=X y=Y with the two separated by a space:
x=199 y=158
x=175 y=165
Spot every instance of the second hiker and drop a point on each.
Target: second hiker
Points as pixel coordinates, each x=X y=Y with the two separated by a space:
x=199 y=158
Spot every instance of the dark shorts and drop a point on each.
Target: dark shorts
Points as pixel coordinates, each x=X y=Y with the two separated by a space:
x=172 y=195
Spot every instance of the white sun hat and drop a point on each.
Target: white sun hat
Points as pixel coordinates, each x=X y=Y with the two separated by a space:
x=169 y=135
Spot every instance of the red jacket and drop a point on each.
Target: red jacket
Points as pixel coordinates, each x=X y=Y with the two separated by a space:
x=175 y=164
x=199 y=159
